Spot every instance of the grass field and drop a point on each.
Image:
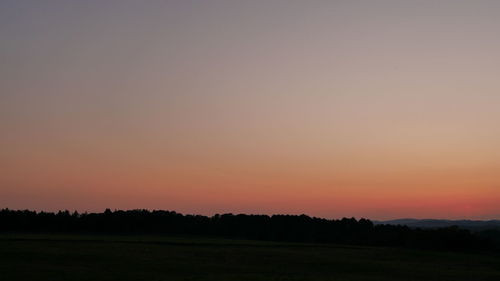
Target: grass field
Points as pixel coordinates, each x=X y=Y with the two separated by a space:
x=73 y=258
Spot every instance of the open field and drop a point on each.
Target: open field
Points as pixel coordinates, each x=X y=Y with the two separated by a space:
x=81 y=257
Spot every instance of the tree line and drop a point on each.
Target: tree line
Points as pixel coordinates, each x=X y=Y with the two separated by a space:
x=284 y=228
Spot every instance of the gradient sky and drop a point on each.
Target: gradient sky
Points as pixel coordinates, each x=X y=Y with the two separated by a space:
x=377 y=109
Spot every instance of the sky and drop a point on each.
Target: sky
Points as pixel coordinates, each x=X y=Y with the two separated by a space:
x=375 y=109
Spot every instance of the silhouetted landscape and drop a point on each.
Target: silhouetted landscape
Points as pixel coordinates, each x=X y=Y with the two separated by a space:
x=166 y=245
x=279 y=228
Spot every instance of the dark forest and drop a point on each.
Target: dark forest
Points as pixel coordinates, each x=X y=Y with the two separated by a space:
x=286 y=228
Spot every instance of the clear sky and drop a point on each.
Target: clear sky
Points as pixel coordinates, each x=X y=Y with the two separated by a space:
x=377 y=109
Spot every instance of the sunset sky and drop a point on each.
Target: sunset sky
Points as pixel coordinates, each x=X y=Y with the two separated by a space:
x=376 y=109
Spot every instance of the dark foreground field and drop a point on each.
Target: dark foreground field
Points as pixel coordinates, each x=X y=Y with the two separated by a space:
x=73 y=258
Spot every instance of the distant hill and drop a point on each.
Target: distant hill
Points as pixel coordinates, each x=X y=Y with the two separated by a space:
x=474 y=225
